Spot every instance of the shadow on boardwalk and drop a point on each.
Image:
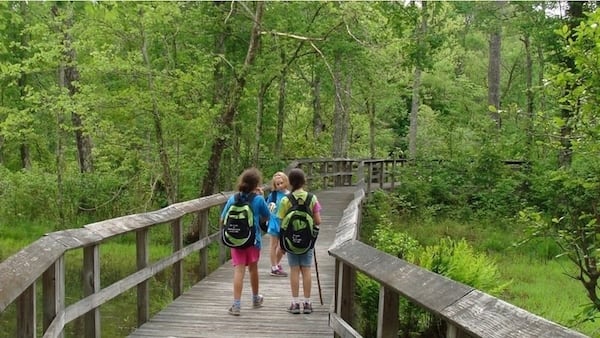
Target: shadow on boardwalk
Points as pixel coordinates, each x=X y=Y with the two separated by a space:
x=202 y=310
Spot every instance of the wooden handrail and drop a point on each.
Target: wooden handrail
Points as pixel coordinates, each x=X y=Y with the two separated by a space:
x=465 y=310
x=44 y=260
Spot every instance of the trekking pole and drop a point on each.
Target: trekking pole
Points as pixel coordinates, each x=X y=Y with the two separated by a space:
x=317 y=272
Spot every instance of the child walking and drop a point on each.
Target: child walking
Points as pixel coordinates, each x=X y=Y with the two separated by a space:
x=279 y=186
x=248 y=186
x=300 y=264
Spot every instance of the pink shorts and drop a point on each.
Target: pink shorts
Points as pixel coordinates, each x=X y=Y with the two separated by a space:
x=245 y=256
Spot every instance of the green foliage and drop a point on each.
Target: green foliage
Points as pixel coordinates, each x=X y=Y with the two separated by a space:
x=457 y=260
x=399 y=244
x=27 y=196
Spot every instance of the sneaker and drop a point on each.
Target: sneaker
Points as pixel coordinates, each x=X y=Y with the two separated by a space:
x=294 y=308
x=256 y=303
x=307 y=308
x=278 y=273
x=234 y=310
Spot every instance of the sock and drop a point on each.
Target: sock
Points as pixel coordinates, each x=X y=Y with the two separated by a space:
x=307 y=300
x=237 y=303
x=274 y=267
x=254 y=298
x=295 y=300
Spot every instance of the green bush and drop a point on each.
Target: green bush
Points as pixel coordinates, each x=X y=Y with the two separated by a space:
x=456 y=260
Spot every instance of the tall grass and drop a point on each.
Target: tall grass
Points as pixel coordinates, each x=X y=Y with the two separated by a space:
x=117 y=260
x=539 y=283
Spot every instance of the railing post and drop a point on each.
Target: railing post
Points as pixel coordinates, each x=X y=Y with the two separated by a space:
x=91 y=285
x=393 y=173
x=53 y=289
x=324 y=167
x=370 y=164
x=387 y=318
x=177 y=233
x=381 y=174
x=143 y=289
x=203 y=232
x=26 y=319
x=345 y=277
x=451 y=331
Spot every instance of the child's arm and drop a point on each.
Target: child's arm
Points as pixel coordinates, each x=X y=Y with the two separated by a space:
x=317 y=212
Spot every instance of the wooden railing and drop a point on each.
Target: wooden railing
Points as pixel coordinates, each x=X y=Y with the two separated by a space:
x=465 y=311
x=43 y=262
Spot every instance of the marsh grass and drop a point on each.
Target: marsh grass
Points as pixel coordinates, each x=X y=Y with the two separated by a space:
x=117 y=260
x=538 y=281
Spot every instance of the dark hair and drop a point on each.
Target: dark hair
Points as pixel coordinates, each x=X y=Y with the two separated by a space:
x=249 y=180
x=297 y=178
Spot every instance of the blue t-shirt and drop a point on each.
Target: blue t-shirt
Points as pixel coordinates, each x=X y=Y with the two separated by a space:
x=259 y=209
x=274 y=222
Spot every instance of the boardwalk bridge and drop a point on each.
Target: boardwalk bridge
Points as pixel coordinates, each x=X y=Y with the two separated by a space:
x=32 y=281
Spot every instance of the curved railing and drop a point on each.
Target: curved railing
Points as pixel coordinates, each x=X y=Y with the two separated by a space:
x=466 y=312
x=43 y=262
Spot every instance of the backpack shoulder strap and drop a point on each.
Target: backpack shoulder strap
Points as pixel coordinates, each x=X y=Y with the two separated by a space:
x=292 y=199
x=239 y=197
x=309 y=198
x=272 y=196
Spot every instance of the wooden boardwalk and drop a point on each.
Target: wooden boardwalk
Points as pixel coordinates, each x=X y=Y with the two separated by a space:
x=202 y=310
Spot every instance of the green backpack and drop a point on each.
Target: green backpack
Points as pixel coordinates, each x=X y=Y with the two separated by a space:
x=238 y=229
x=298 y=231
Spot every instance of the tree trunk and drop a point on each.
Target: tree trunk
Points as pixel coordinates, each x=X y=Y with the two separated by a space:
x=70 y=75
x=167 y=178
x=316 y=104
x=495 y=44
x=370 y=105
x=340 y=122
x=22 y=82
x=219 y=88
x=529 y=83
x=415 y=100
x=414 y=115
x=281 y=104
x=260 y=103
x=228 y=114
x=575 y=14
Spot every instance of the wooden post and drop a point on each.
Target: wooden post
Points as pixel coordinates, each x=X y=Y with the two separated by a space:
x=370 y=164
x=203 y=232
x=345 y=291
x=387 y=318
x=53 y=289
x=393 y=173
x=91 y=285
x=451 y=331
x=26 y=318
x=381 y=174
x=143 y=289
x=177 y=233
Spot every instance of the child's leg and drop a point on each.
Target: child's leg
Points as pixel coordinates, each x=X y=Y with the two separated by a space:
x=295 y=281
x=238 y=281
x=280 y=253
x=306 y=281
x=253 y=269
x=274 y=250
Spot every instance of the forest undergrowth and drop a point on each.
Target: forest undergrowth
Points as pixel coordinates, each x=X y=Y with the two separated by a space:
x=529 y=276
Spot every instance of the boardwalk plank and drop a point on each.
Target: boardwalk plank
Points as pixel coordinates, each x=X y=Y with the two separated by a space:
x=202 y=310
